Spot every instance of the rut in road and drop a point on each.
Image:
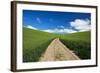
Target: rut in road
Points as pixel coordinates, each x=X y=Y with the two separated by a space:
x=57 y=51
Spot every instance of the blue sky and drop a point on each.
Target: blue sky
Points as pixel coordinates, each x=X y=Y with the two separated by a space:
x=56 y=22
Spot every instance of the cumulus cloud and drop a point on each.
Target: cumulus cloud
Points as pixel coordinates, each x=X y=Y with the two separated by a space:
x=81 y=25
x=30 y=27
x=60 y=30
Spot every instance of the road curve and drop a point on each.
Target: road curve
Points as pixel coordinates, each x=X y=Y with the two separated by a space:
x=57 y=51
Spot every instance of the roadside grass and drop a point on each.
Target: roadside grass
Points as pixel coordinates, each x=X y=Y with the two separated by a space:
x=80 y=43
x=80 y=48
x=34 y=54
x=34 y=44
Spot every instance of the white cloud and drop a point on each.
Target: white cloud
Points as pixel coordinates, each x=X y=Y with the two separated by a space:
x=30 y=27
x=60 y=30
x=49 y=30
x=69 y=30
x=56 y=30
x=38 y=19
x=81 y=25
x=61 y=27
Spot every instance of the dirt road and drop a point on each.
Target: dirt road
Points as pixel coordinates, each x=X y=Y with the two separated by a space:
x=57 y=51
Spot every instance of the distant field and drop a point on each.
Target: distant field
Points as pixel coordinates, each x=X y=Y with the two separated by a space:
x=35 y=43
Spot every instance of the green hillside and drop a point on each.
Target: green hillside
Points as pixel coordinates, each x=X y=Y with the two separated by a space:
x=83 y=36
x=35 y=43
x=79 y=42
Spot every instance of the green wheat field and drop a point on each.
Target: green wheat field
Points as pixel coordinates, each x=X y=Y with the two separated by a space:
x=35 y=43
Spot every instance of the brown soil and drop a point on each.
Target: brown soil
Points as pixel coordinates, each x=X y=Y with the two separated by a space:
x=57 y=51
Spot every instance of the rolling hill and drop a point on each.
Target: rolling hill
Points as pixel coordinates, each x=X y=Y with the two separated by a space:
x=35 y=43
x=79 y=43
